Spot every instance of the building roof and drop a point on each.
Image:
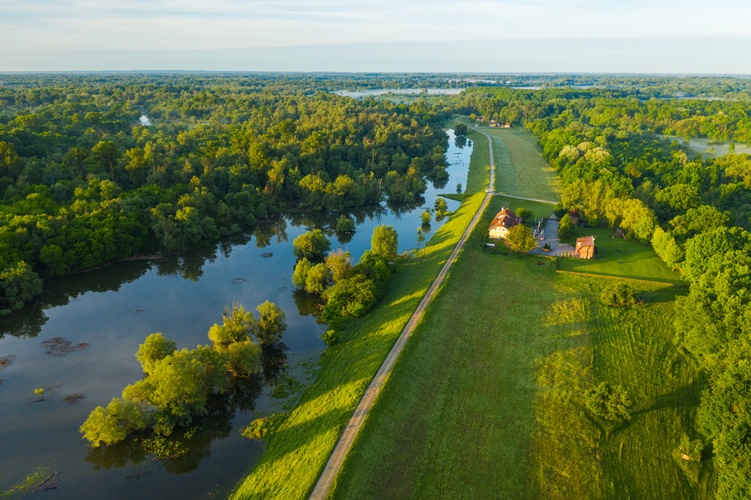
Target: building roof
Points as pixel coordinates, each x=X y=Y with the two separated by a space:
x=586 y=241
x=505 y=218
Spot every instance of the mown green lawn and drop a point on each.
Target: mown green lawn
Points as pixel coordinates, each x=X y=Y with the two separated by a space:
x=521 y=170
x=487 y=401
x=296 y=453
x=538 y=209
x=621 y=258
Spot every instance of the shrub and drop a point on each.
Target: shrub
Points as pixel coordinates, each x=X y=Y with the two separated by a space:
x=566 y=227
x=559 y=211
x=526 y=214
x=330 y=337
x=608 y=402
x=311 y=245
x=618 y=295
x=345 y=224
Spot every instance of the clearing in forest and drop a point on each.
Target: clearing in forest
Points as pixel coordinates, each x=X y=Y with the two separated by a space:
x=486 y=401
x=521 y=170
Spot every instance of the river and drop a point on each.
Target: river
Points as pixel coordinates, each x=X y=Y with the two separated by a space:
x=114 y=308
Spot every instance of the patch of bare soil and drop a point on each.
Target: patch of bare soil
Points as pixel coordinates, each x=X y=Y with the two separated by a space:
x=58 y=346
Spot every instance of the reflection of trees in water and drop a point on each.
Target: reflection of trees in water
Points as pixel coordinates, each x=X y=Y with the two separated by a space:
x=308 y=305
x=460 y=142
x=28 y=322
x=183 y=451
x=274 y=362
x=191 y=263
x=344 y=238
x=404 y=207
x=440 y=183
x=264 y=232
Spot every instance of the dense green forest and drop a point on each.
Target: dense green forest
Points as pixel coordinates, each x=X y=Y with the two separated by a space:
x=619 y=170
x=83 y=181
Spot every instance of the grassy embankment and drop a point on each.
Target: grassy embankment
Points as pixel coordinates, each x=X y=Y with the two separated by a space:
x=298 y=450
x=487 y=399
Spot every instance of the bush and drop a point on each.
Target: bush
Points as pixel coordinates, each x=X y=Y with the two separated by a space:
x=263 y=426
x=440 y=205
x=526 y=215
x=345 y=224
x=566 y=227
x=520 y=239
x=426 y=217
x=559 y=211
x=609 y=402
x=691 y=447
x=330 y=337
x=311 y=245
x=618 y=295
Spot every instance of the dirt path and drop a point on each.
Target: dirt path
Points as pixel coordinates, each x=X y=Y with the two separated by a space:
x=336 y=460
x=528 y=199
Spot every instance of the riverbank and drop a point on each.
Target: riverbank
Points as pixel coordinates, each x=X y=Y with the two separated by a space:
x=298 y=450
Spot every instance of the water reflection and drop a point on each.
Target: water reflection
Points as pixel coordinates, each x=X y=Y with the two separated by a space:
x=182 y=295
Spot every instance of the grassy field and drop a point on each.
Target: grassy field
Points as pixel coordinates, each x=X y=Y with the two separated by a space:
x=486 y=400
x=521 y=170
x=539 y=209
x=298 y=450
x=619 y=257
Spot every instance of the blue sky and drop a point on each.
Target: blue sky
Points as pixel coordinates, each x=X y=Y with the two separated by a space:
x=228 y=34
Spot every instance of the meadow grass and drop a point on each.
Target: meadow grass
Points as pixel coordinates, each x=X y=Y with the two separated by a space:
x=297 y=451
x=521 y=170
x=620 y=258
x=538 y=209
x=486 y=401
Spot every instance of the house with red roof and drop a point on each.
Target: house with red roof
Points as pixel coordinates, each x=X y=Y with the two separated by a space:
x=502 y=222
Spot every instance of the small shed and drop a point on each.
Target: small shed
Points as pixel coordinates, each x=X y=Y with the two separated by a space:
x=585 y=247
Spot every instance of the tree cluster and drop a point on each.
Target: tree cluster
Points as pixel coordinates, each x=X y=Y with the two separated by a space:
x=178 y=383
x=346 y=290
x=82 y=182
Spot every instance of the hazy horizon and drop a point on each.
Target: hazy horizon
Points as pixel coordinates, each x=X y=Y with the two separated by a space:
x=384 y=36
x=653 y=55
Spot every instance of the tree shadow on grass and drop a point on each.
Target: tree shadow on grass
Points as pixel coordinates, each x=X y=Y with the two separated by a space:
x=683 y=397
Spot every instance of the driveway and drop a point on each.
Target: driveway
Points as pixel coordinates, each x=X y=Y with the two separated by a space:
x=551 y=238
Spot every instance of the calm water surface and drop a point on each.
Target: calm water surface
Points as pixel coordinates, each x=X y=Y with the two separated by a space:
x=115 y=308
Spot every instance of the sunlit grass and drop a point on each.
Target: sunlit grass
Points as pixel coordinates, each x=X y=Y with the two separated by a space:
x=521 y=170
x=486 y=401
x=620 y=258
x=296 y=453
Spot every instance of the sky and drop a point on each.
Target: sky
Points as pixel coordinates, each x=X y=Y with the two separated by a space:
x=665 y=36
